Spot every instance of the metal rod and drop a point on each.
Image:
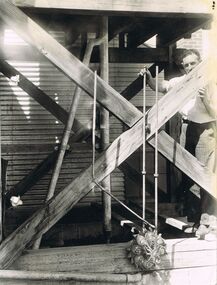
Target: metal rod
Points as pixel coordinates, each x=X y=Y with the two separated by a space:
x=156 y=153
x=94 y=123
x=125 y=206
x=144 y=148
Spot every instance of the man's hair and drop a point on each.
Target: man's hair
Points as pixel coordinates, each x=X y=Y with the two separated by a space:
x=187 y=52
x=178 y=57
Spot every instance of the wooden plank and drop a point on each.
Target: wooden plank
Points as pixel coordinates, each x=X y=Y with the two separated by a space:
x=138 y=55
x=26 y=148
x=38 y=95
x=69 y=64
x=186 y=162
x=183 y=92
x=122 y=55
x=125 y=6
x=58 y=206
x=181 y=253
x=31 y=276
x=184 y=27
x=132 y=173
x=188 y=276
x=33 y=91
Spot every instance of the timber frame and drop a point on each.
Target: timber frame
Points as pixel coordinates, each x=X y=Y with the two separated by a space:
x=124 y=18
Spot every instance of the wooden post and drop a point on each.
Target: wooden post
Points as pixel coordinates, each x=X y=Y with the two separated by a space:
x=104 y=126
x=67 y=130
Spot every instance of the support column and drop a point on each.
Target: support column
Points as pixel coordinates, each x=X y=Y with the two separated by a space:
x=104 y=127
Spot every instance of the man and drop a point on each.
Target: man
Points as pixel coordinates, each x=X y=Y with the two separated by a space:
x=198 y=135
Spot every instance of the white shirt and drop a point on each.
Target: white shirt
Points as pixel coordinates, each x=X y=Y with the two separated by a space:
x=195 y=109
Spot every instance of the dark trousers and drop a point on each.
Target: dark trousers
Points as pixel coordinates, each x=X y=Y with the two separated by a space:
x=200 y=141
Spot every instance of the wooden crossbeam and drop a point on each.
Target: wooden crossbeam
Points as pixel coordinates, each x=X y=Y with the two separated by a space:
x=133 y=174
x=36 y=93
x=183 y=27
x=142 y=7
x=186 y=162
x=117 y=152
x=68 y=64
x=181 y=253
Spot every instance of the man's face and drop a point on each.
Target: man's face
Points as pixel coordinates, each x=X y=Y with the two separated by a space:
x=189 y=62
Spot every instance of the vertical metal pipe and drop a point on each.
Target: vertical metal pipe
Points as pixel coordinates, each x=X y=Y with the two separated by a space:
x=94 y=123
x=156 y=154
x=144 y=149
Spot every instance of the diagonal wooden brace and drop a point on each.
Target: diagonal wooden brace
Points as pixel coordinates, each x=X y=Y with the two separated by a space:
x=70 y=65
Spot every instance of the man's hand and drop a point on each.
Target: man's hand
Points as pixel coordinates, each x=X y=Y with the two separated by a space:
x=202 y=92
x=144 y=71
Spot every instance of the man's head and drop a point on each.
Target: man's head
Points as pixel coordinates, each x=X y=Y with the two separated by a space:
x=190 y=59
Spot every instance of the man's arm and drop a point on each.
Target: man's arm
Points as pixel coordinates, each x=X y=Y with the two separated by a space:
x=208 y=96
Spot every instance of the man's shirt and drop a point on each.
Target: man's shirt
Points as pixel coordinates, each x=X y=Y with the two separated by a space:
x=195 y=109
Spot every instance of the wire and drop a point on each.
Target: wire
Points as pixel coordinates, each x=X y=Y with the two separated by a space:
x=125 y=206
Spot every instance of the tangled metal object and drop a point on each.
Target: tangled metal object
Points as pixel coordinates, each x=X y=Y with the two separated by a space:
x=146 y=249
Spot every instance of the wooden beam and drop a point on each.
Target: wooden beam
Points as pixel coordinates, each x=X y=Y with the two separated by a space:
x=138 y=55
x=58 y=206
x=36 y=93
x=143 y=31
x=117 y=152
x=69 y=64
x=184 y=27
x=133 y=174
x=11 y=276
x=112 y=258
x=141 y=7
x=119 y=25
x=193 y=168
x=27 y=148
x=116 y=55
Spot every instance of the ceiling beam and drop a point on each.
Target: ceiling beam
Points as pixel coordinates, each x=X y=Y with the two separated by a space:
x=140 y=7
